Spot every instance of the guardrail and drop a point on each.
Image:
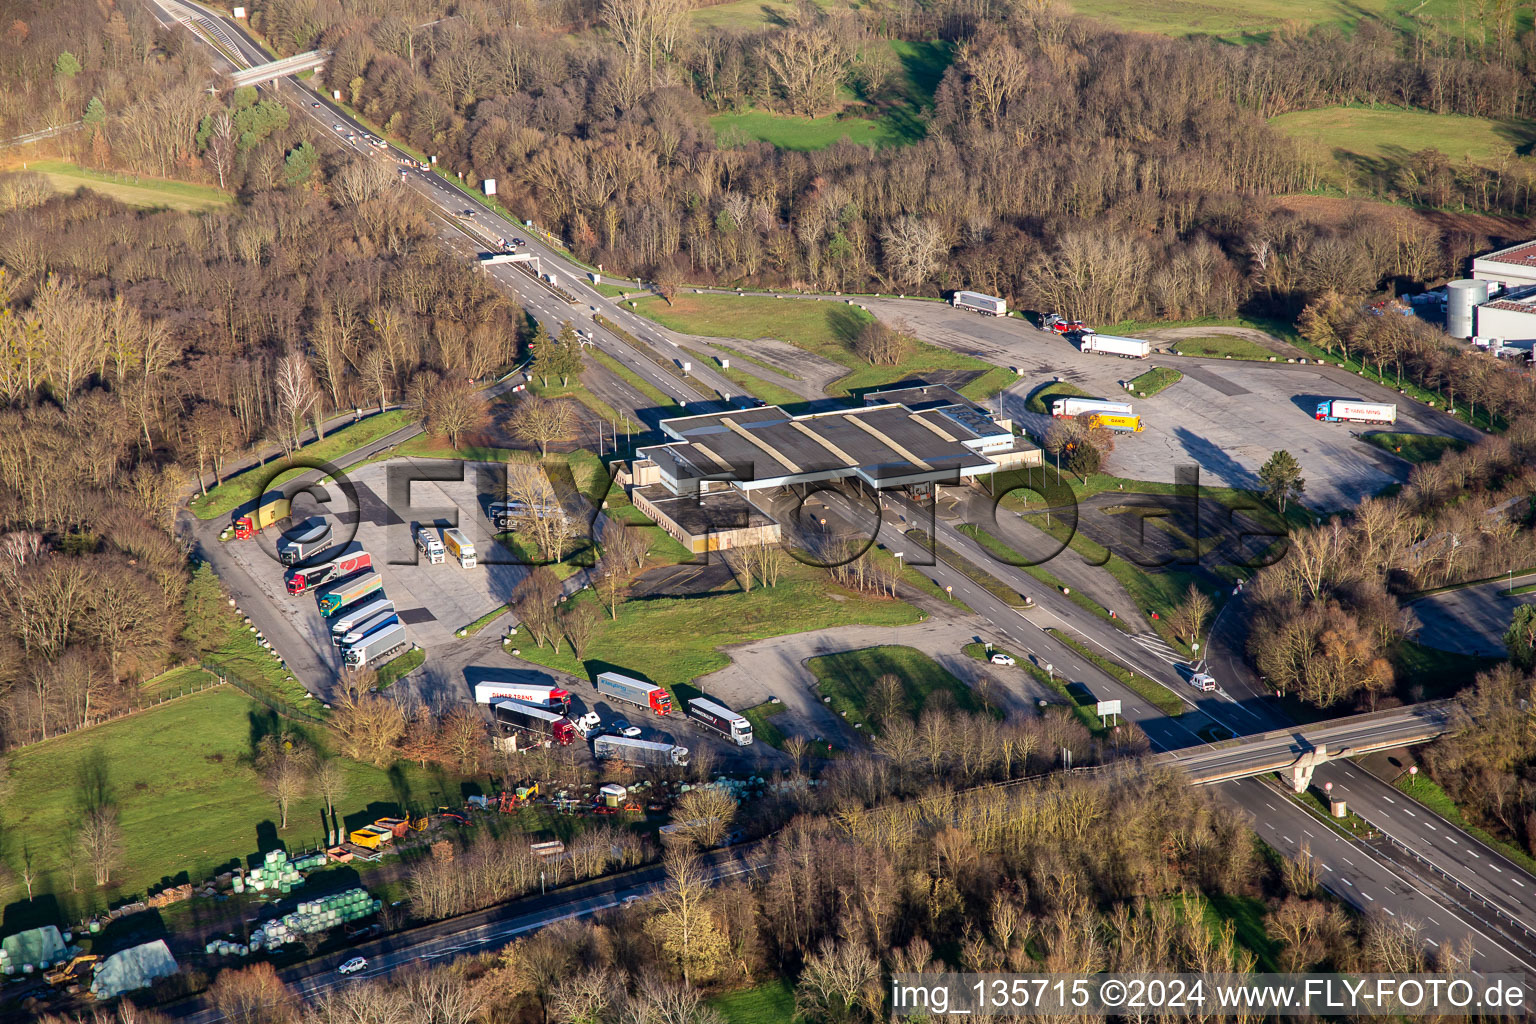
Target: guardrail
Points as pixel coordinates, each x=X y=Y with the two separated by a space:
x=1501 y=916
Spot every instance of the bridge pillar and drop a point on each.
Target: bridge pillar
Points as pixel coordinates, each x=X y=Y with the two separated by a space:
x=1304 y=766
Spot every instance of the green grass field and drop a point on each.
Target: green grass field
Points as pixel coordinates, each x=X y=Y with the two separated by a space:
x=1384 y=132
x=224 y=640
x=237 y=490
x=895 y=117
x=789 y=131
x=671 y=640
x=1255 y=20
x=772 y=1002
x=1221 y=346
x=188 y=801
x=1416 y=448
x=848 y=677
x=132 y=189
x=1159 y=378
x=826 y=329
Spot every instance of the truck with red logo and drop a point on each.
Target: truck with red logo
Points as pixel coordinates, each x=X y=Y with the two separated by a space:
x=302 y=579
x=549 y=697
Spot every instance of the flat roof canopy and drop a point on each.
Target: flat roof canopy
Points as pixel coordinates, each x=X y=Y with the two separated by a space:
x=886 y=446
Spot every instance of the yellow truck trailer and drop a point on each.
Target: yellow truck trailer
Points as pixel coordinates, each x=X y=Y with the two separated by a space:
x=1116 y=421
x=269 y=508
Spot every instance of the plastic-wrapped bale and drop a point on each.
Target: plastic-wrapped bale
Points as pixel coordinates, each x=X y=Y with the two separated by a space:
x=135 y=968
x=36 y=947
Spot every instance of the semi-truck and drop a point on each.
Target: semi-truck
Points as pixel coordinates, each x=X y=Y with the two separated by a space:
x=720 y=719
x=301 y=579
x=1066 y=408
x=1344 y=410
x=514 y=714
x=1118 y=422
x=991 y=305
x=621 y=748
x=1110 y=345
x=269 y=508
x=352 y=617
x=336 y=596
x=430 y=547
x=505 y=514
x=381 y=646
x=625 y=688
x=540 y=696
x=459 y=545
x=369 y=626
x=303 y=541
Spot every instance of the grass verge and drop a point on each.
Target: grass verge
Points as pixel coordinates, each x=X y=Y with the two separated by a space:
x=1076 y=702
x=246 y=486
x=1416 y=448
x=849 y=678
x=395 y=670
x=763 y=728
x=1150 y=689
x=1008 y=555
x=1222 y=346
x=1159 y=378
x=994 y=586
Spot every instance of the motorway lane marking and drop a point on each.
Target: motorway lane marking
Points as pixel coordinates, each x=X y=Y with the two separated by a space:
x=1453 y=840
x=1288 y=839
x=1518 y=882
x=1309 y=834
x=1496 y=867
x=1430 y=827
x=1409 y=813
x=1389 y=800
x=1390 y=911
x=1432 y=942
x=1367 y=895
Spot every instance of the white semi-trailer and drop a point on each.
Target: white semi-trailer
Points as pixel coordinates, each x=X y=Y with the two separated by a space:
x=1110 y=345
x=1343 y=410
x=621 y=748
x=1066 y=408
x=976 y=302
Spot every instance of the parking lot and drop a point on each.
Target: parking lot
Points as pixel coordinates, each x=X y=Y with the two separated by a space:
x=1229 y=416
x=432 y=600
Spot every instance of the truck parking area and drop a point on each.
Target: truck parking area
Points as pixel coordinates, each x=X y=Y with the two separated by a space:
x=1231 y=415
x=432 y=601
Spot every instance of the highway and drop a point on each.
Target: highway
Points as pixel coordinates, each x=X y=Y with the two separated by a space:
x=1370 y=880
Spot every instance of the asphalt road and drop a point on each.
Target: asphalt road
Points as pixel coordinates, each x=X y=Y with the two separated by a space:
x=1371 y=881
x=1470 y=620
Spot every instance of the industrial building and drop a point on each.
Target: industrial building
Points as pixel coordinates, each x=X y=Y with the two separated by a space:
x=1511 y=267
x=1496 y=307
x=710 y=486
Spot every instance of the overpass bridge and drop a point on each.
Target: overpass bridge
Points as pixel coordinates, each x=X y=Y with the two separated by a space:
x=1300 y=749
x=275 y=69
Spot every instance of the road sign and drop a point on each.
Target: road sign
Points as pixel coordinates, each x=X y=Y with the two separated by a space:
x=1108 y=707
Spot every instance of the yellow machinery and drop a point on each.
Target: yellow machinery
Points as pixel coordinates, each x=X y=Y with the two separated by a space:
x=66 y=973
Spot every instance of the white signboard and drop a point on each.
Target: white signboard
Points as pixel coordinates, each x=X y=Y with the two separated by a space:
x=1108 y=707
x=490 y=186
x=239 y=12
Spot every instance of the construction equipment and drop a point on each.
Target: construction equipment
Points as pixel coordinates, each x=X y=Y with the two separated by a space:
x=65 y=973
x=420 y=824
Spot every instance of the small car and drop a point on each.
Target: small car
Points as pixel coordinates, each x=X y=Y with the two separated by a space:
x=623 y=728
x=316 y=105
x=1003 y=659
x=630 y=900
x=466 y=213
x=338 y=127
x=518 y=241
x=357 y=963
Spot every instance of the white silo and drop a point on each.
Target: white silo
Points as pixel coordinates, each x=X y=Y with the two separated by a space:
x=1461 y=300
